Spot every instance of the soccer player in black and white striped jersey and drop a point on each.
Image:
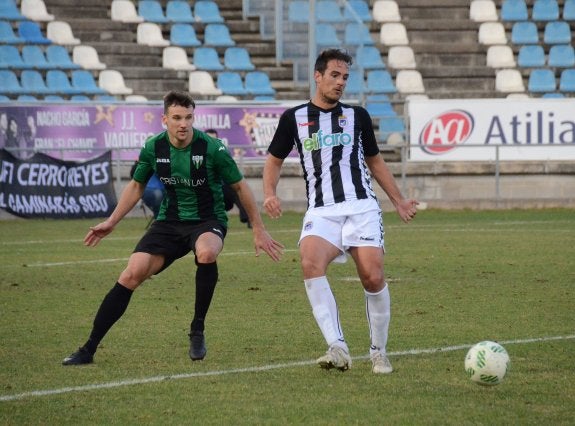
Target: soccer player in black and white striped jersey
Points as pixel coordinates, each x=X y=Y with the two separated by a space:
x=339 y=156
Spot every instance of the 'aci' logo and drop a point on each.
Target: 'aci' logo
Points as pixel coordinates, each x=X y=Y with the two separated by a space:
x=444 y=132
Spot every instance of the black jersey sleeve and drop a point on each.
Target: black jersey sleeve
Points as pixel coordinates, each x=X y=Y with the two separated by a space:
x=368 y=139
x=284 y=137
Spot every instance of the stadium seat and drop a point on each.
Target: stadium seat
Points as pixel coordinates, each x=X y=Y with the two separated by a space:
x=27 y=98
x=34 y=57
x=9 y=11
x=386 y=11
x=514 y=10
x=569 y=10
x=59 y=57
x=151 y=11
x=230 y=83
x=357 y=9
x=557 y=32
x=207 y=12
x=179 y=11
x=58 y=82
x=508 y=81
x=84 y=81
x=328 y=11
x=258 y=83
x=218 y=35
x=202 y=83
x=10 y=58
x=555 y=95
x=176 y=58
x=369 y=57
x=226 y=98
x=401 y=57
x=125 y=11
x=9 y=83
x=545 y=10
x=355 y=84
x=483 y=11
x=298 y=11
x=238 y=59
x=389 y=126
x=32 y=33
x=541 y=80
x=87 y=57
x=531 y=55
x=380 y=109
x=326 y=35
x=150 y=34
x=561 y=56
x=492 y=33
x=61 y=33
x=500 y=56
x=4 y=98
x=184 y=35
x=524 y=33
x=7 y=34
x=206 y=58
x=35 y=10
x=409 y=81
x=357 y=34
x=135 y=98
x=393 y=34
x=380 y=81
x=53 y=98
x=80 y=98
x=33 y=83
x=112 y=81
x=567 y=81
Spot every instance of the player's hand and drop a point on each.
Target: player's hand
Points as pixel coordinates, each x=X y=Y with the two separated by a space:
x=263 y=241
x=96 y=233
x=273 y=207
x=407 y=209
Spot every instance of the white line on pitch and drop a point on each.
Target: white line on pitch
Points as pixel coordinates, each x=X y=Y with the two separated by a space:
x=155 y=379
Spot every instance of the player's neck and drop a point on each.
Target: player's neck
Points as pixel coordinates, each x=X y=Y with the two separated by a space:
x=323 y=103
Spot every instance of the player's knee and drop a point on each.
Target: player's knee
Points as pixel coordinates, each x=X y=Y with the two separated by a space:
x=206 y=256
x=373 y=281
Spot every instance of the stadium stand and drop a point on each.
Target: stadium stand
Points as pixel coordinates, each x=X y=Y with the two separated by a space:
x=483 y=11
x=230 y=83
x=7 y=34
x=35 y=58
x=179 y=12
x=59 y=57
x=369 y=57
x=201 y=83
x=150 y=34
x=112 y=81
x=386 y=11
x=31 y=33
x=500 y=57
x=207 y=12
x=10 y=58
x=87 y=57
x=541 y=80
x=531 y=56
x=238 y=59
x=125 y=11
x=514 y=10
x=217 y=35
x=561 y=56
x=357 y=9
x=35 y=10
x=151 y=11
x=60 y=32
x=545 y=10
x=184 y=35
x=401 y=57
x=258 y=83
x=176 y=58
x=9 y=11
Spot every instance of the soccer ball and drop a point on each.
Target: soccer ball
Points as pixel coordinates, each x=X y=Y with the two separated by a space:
x=486 y=363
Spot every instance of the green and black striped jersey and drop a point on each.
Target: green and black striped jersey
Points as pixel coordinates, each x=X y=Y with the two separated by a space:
x=192 y=176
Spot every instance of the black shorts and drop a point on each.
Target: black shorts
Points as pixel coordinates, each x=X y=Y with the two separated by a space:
x=173 y=239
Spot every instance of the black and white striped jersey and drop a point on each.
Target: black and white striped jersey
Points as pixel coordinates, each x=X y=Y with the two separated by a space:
x=331 y=145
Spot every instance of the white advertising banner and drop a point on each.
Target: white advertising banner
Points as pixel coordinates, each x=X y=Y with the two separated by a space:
x=475 y=129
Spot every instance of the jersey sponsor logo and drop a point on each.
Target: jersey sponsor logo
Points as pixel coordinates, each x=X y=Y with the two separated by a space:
x=162 y=160
x=178 y=180
x=319 y=140
x=197 y=160
x=309 y=123
x=446 y=131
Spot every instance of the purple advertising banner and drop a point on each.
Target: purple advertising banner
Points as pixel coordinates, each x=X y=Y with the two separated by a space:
x=81 y=132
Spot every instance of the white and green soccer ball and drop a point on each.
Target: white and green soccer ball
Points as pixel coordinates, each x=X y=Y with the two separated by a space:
x=486 y=363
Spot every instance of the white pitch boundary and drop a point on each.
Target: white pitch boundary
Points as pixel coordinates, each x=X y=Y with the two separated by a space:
x=155 y=379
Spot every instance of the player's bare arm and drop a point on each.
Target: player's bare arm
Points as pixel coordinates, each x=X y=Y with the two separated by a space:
x=271 y=176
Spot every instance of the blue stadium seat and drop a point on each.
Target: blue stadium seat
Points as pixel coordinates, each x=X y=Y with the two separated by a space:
x=380 y=81
x=369 y=57
x=553 y=95
x=33 y=83
x=531 y=55
x=389 y=125
x=357 y=34
x=184 y=35
x=32 y=33
x=80 y=98
x=326 y=35
x=357 y=9
x=53 y=98
x=545 y=10
x=258 y=83
x=541 y=80
x=10 y=57
x=557 y=32
x=380 y=109
x=561 y=56
x=151 y=11
x=569 y=10
x=298 y=11
x=514 y=10
x=84 y=80
x=355 y=83
x=9 y=83
x=7 y=34
x=179 y=11
x=567 y=81
x=27 y=98
x=328 y=11
x=230 y=83
x=9 y=11
x=524 y=33
x=59 y=57
x=238 y=59
x=58 y=82
x=217 y=35
x=4 y=98
x=206 y=58
x=34 y=57
x=207 y=12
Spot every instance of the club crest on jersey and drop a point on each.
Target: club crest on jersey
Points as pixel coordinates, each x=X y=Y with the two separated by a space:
x=342 y=120
x=197 y=160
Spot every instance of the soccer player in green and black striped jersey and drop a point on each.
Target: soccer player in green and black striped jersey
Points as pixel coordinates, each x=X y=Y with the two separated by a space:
x=192 y=217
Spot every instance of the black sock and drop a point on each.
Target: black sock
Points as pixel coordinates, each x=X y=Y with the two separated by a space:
x=112 y=308
x=206 y=279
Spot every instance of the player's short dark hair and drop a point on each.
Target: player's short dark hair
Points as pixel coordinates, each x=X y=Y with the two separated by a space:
x=329 y=55
x=178 y=98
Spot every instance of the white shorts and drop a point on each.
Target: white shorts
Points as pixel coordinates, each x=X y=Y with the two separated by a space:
x=355 y=223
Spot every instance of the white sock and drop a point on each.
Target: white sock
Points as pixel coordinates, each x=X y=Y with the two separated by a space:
x=378 y=311
x=325 y=311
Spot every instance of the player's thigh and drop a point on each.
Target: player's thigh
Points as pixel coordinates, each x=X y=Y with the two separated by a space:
x=208 y=247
